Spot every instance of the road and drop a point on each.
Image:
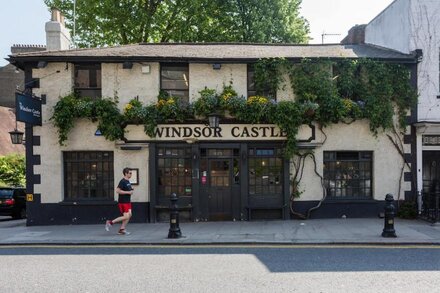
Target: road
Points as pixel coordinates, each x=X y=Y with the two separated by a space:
x=219 y=268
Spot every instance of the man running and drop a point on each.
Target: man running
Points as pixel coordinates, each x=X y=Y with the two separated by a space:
x=124 y=191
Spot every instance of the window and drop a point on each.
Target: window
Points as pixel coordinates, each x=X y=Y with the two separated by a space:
x=175 y=81
x=348 y=175
x=88 y=80
x=252 y=87
x=265 y=171
x=174 y=171
x=88 y=175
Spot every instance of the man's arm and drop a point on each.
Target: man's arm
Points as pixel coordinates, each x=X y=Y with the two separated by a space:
x=120 y=191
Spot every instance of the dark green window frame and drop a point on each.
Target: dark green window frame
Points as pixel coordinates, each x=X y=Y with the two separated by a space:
x=265 y=171
x=174 y=170
x=88 y=175
x=348 y=175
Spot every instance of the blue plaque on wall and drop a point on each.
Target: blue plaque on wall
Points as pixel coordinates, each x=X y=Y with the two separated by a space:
x=28 y=109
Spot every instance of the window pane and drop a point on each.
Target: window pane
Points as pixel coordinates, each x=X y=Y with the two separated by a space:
x=88 y=80
x=174 y=171
x=347 y=174
x=88 y=175
x=265 y=172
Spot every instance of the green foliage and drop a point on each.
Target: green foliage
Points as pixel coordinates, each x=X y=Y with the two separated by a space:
x=134 y=111
x=268 y=75
x=207 y=103
x=136 y=21
x=326 y=92
x=12 y=170
x=171 y=108
x=289 y=116
x=355 y=89
x=228 y=99
x=312 y=82
x=407 y=210
x=104 y=111
x=256 y=110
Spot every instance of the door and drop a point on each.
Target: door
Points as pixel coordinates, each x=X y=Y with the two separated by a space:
x=219 y=189
x=431 y=170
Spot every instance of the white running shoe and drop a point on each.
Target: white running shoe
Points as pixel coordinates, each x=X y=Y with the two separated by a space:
x=123 y=232
x=107 y=225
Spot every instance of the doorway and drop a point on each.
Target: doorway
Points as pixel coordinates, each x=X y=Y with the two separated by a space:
x=219 y=183
x=431 y=170
x=219 y=190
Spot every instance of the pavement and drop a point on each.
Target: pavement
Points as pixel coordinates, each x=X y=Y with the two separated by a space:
x=296 y=232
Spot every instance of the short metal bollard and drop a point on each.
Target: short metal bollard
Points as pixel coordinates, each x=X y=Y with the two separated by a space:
x=174 y=231
x=388 y=230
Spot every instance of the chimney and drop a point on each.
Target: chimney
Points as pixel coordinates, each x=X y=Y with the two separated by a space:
x=356 y=35
x=57 y=35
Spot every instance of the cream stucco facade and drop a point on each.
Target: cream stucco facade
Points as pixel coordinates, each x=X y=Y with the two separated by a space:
x=56 y=80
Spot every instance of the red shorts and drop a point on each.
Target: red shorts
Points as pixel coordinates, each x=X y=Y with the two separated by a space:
x=124 y=207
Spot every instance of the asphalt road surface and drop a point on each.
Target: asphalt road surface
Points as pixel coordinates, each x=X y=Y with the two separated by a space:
x=219 y=269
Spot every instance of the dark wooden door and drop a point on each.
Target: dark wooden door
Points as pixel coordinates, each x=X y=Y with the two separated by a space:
x=219 y=189
x=431 y=170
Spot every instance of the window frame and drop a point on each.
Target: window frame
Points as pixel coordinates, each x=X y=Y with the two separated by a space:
x=170 y=91
x=168 y=162
x=260 y=152
x=94 y=80
x=251 y=80
x=78 y=160
x=346 y=180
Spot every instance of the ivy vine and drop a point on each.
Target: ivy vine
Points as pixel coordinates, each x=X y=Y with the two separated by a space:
x=326 y=92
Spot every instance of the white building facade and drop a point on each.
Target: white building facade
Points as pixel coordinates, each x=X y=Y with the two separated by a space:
x=407 y=26
x=236 y=171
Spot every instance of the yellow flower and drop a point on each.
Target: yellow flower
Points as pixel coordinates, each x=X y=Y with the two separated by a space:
x=347 y=104
x=170 y=101
x=257 y=99
x=226 y=96
x=128 y=107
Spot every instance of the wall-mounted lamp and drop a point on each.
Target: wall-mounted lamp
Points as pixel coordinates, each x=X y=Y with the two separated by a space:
x=214 y=120
x=216 y=66
x=16 y=135
x=127 y=65
x=190 y=140
x=42 y=64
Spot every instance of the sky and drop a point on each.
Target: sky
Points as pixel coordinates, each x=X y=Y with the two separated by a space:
x=22 y=21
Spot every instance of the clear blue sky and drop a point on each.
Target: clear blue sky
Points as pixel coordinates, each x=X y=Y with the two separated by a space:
x=22 y=21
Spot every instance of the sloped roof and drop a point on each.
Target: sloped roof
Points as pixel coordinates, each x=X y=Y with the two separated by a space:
x=221 y=52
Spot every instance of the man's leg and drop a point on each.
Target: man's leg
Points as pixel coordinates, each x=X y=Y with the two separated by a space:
x=126 y=218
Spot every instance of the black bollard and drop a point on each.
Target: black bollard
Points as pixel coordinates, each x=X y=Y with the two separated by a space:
x=174 y=231
x=388 y=230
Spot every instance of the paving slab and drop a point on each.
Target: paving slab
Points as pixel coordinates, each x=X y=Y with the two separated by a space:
x=315 y=231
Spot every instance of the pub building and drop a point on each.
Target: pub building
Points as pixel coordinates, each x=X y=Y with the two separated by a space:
x=229 y=172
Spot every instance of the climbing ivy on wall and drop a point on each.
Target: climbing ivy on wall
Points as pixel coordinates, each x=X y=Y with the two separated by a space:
x=326 y=92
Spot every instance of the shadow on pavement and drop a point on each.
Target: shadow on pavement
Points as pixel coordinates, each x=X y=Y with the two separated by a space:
x=277 y=260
